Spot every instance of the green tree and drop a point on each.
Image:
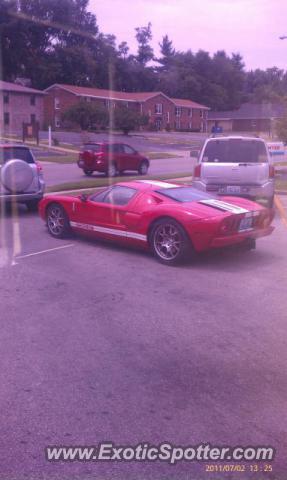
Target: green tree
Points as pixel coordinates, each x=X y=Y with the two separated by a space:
x=127 y=120
x=145 y=51
x=87 y=115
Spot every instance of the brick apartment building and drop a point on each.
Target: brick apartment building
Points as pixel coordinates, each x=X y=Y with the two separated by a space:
x=19 y=104
x=250 y=117
x=163 y=112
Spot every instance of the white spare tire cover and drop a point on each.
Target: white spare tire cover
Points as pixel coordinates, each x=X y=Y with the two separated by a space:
x=16 y=175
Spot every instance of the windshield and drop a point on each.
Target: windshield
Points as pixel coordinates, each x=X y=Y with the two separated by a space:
x=235 y=151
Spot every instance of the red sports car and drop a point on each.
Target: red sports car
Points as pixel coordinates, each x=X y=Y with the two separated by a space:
x=171 y=220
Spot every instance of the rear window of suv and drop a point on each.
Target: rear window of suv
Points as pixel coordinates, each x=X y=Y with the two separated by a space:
x=94 y=147
x=235 y=151
x=10 y=153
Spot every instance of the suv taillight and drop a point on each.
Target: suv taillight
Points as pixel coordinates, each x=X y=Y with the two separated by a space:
x=271 y=171
x=39 y=167
x=197 y=171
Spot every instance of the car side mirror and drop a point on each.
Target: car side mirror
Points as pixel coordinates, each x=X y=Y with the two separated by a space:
x=194 y=153
x=83 y=197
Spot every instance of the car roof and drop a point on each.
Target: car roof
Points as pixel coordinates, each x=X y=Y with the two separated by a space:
x=235 y=137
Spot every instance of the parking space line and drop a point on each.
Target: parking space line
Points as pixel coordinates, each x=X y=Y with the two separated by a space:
x=281 y=210
x=44 y=251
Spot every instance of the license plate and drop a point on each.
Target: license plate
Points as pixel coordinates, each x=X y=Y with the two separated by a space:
x=233 y=189
x=246 y=224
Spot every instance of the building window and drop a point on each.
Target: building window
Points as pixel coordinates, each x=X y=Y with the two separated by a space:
x=158 y=108
x=201 y=113
x=6 y=118
x=57 y=121
x=190 y=112
x=177 y=111
x=57 y=103
x=33 y=100
x=33 y=118
x=149 y=113
x=88 y=99
x=168 y=117
x=177 y=124
x=6 y=97
x=190 y=125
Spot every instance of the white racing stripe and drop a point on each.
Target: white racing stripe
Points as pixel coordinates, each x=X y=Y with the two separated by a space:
x=227 y=207
x=159 y=183
x=109 y=231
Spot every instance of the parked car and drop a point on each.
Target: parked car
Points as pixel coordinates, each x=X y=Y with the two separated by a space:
x=172 y=220
x=21 y=177
x=111 y=159
x=236 y=165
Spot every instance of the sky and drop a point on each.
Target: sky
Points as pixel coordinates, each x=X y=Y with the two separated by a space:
x=249 y=27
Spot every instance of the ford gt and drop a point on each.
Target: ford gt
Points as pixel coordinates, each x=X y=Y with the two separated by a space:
x=171 y=220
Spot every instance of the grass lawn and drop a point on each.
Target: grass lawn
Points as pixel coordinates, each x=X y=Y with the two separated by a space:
x=103 y=181
x=70 y=158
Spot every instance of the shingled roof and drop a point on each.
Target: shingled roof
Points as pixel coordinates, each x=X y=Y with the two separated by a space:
x=250 y=111
x=122 y=96
x=15 y=87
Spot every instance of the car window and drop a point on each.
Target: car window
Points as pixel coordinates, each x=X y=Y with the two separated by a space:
x=99 y=197
x=119 y=195
x=9 y=153
x=113 y=148
x=185 y=194
x=235 y=151
x=128 y=150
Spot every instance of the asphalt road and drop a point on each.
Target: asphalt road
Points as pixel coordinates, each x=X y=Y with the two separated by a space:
x=57 y=173
x=102 y=343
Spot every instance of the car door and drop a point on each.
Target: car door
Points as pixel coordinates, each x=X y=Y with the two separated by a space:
x=103 y=214
x=130 y=158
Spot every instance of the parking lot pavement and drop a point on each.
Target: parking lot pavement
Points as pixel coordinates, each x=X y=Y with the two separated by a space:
x=56 y=173
x=101 y=343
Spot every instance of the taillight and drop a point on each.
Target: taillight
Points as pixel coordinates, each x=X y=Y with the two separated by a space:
x=197 y=171
x=271 y=171
x=229 y=224
x=39 y=167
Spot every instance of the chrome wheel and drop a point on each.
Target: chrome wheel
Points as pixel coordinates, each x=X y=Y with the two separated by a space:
x=167 y=241
x=56 y=220
x=143 y=168
x=112 y=171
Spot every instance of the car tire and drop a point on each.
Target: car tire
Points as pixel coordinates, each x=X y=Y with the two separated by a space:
x=169 y=242
x=143 y=168
x=57 y=221
x=250 y=244
x=32 y=205
x=112 y=170
x=89 y=173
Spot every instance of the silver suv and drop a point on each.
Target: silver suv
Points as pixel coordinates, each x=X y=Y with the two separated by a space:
x=21 y=177
x=236 y=166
